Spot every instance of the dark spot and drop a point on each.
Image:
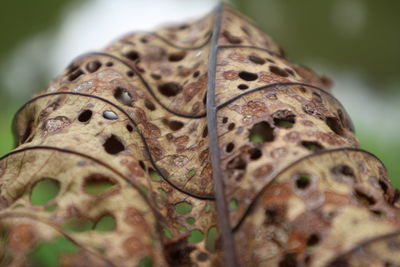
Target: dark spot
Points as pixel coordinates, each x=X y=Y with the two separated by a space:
x=291 y=72
x=155 y=76
x=303 y=181
x=343 y=173
x=85 y=115
x=273 y=215
x=288 y=260
x=237 y=163
x=175 y=125
x=170 y=89
x=129 y=128
x=224 y=119
x=256 y=59
x=141 y=163
x=261 y=132
x=312 y=145
x=278 y=71
x=364 y=198
x=205 y=132
x=75 y=75
x=144 y=40
x=284 y=118
x=383 y=186
x=178 y=253
x=339 y=262
x=132 y=55
x=248 y=76
x=335 y=125
x=178 y=56
x=313 y=240
x=130 y=74
x=202 y=257
x=113 y=145
x=109 y=64
x=242 y=86
x=196 y=74
x=93 y=66
x=231 y=126
x=27 y=132
x=149 y=105
x=123 y=96
x=231 y=38
x=255 y=153
x=229 y=147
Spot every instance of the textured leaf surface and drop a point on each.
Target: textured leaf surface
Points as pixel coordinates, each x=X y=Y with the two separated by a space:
x=201 y=144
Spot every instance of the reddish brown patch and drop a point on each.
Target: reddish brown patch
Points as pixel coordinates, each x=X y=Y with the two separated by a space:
x=263 y=171
x=231 y=75
x=134 y=246
x=134 y=218
x=254 y=108
x=21 y=237
x=134 y=167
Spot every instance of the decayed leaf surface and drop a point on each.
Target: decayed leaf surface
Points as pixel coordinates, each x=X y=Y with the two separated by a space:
x=201 y=144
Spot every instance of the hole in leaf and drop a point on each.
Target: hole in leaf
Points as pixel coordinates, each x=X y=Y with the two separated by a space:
x=44 y=191
x=175 y=125
x=149 y=105
x=364 y=198
x=167 y=233
x=278 y=71
x=113 y=145
x=229 y=147
x=261 y=132
x=78 y=225
x=154 y=175
x=190 y=220
x=123 y=96
x=233 y=204
x=132 y=55
x=105 y=223
x=335 y=125
x=196 y=236
x=303 y=181
x=248 y=76
x=284 y=118
x=110 y=115
x=211 y=239
x=48 y=253
x=93 y=66
x=183 y=207
x=96 y=184
x=191 y=173
x=311 y=145
x=255 y=153
x=146 y=262
x=256 y=59
x=170 y=89
x=85 y=115
x=178 y=56
x=242 y=86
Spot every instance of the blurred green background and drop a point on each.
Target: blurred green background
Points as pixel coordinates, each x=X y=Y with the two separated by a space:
x=355 y=42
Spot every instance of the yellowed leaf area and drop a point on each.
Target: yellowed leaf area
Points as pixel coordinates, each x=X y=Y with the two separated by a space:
x=113 y=167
